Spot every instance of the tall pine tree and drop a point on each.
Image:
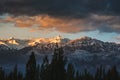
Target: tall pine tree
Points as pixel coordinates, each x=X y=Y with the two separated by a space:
x=2 y=74
x=77 y=77
x=57 y=66
x=38 y=72
x=44 y=69
x=31 y=67
x=70 y=72
x=112 y=74
x=15 y=73
x=100 y=73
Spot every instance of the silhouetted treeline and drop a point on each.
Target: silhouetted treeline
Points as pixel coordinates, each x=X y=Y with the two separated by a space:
x=55 y=70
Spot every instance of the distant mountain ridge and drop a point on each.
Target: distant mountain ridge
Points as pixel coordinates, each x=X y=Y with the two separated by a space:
x=19 y=44
x=83 y=43
x=94 y=45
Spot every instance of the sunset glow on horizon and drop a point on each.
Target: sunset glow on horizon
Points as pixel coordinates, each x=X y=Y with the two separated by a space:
x=71 y=20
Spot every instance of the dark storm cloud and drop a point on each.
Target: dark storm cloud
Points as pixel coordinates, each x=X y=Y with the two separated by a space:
x=67 y=8
x=69 y=16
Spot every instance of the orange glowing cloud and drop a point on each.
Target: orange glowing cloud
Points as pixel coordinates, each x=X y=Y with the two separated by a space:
x=47 y=22
x=44 y=22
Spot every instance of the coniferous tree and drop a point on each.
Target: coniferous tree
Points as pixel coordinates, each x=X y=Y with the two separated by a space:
x=10 y=76
x=44 y=69
x=31 y=68
x=100 y=73
x=77 y=77
x=20 y=76
x=70 y=72
x=87 y=76
x=57 y=66
x=15 y=73
x=2 y=74
x=38 y=72
x=112 y=74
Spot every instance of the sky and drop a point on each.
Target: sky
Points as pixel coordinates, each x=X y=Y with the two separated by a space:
x=26 y=19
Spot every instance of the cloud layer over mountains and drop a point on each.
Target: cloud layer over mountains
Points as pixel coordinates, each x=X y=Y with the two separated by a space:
x=69 y=16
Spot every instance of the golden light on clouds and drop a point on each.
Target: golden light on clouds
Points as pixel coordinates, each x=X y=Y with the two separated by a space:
x=44 y=22
x=47 y=22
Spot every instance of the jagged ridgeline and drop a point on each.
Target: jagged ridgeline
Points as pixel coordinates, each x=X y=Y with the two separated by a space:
x=83 y=43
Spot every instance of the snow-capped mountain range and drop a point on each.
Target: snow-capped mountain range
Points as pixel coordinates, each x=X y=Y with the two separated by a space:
x=83 y=43
x=19 y=44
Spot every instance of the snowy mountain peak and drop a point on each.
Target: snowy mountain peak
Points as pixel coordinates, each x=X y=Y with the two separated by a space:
x=57 y=39
x=11 y=38
x=13 y=41
x=81 y=40
x=2 y=43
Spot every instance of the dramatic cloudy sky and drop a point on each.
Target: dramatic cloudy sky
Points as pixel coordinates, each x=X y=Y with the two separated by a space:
x=70 y=18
